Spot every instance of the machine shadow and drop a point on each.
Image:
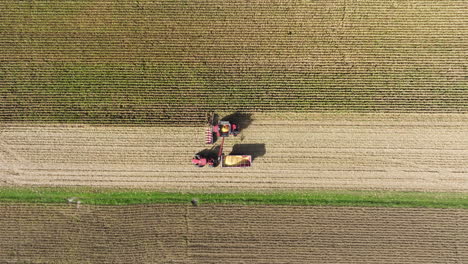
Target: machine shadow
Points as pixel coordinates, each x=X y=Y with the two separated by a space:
x=210 y=153
x=243 y=120
x=255 y=150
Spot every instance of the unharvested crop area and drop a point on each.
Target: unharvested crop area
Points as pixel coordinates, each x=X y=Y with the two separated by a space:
x=230 y=234
x=168 y=62
x=405 y=152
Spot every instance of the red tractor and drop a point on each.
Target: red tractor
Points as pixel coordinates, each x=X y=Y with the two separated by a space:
x=201 y=161
x=210 y=158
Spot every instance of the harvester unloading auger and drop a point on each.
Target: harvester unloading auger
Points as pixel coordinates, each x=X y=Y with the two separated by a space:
x=222 y=129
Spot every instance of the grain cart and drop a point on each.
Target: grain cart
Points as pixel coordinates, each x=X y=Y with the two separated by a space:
x=236 y=161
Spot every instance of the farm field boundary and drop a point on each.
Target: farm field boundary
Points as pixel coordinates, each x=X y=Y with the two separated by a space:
x=326 y=198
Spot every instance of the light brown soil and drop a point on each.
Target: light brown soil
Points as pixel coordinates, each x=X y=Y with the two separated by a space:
x=303 y=151
x=230 y=234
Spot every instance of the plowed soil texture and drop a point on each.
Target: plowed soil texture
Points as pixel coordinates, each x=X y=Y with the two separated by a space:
x=230 y=234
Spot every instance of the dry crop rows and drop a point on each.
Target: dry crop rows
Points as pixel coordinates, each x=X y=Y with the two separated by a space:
x=313 y=151
x=231 y=234
x=159 y=62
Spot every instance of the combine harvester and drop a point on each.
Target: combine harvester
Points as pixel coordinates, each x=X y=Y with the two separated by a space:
x=222 y=130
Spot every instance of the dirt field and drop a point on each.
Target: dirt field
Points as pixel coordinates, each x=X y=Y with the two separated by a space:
x=230 y=234
x=291 y=152
x=156 y=62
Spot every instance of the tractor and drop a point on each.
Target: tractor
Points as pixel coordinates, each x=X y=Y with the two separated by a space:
x=201 y=161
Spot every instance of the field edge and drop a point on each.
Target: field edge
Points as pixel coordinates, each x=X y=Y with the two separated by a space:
x=106 y=196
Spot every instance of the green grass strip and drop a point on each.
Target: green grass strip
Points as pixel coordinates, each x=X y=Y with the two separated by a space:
x=323 y=198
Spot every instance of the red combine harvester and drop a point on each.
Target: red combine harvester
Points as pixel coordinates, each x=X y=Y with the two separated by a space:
x=222 y=129
x=229 y=161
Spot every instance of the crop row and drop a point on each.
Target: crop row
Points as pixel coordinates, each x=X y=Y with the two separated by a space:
x=162 y=62
x=161 y=93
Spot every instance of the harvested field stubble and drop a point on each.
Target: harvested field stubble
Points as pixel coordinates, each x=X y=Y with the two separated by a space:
x=405 y=152
x=156 y=62
x=231 y=234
